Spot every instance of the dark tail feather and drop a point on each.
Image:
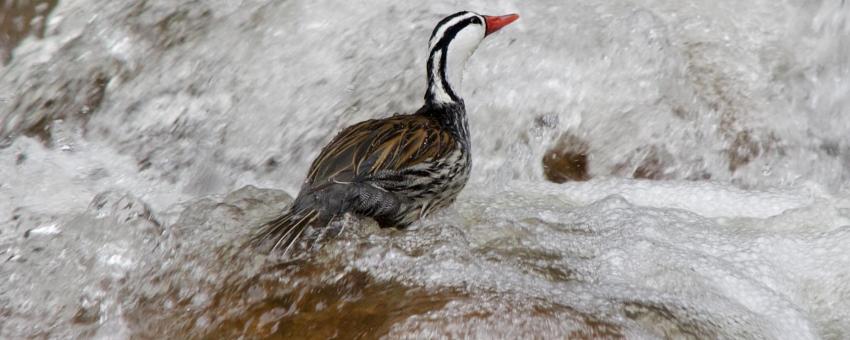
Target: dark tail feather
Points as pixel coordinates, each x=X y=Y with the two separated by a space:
x=283 y=232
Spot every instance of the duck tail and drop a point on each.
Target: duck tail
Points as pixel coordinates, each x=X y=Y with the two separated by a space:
x=283 y=232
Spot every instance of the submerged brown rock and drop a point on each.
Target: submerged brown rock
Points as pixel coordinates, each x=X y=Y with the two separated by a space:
x=567 y=160
x=18 y=19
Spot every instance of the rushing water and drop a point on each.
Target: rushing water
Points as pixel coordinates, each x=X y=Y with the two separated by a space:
x=711 y=141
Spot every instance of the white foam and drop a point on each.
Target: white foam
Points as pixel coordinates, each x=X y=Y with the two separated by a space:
x=751 y=94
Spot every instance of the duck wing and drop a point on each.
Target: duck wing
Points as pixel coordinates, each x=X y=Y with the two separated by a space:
x=378 y=149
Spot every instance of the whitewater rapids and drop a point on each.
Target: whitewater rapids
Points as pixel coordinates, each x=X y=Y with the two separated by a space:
x=141 y=141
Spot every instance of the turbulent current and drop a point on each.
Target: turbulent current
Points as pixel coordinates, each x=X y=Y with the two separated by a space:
x=641 y=169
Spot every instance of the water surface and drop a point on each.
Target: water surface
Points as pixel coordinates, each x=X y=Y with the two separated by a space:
x=700 y=152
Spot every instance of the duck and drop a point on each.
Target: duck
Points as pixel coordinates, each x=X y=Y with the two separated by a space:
x=400 y=169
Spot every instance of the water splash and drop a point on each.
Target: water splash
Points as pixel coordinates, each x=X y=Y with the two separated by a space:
x=129 y=128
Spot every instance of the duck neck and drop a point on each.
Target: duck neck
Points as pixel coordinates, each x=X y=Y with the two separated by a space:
x=442 y=100
x=449 y=51
x=445 y=76
x=446 y=62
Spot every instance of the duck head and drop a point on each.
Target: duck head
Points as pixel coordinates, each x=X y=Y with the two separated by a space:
x=452 y=43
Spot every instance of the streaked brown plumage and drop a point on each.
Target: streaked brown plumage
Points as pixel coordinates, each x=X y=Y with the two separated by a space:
x=398 y=169
x=375 y=147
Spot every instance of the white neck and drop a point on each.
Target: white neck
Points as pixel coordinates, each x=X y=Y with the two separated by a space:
x=446 y=64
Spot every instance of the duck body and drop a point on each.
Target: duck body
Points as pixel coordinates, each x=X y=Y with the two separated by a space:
x=401 y=168
x=398 y=169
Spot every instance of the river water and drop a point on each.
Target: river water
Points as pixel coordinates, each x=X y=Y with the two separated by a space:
x=642 y=169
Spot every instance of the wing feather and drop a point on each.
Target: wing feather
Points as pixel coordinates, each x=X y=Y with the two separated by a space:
x=374 y=147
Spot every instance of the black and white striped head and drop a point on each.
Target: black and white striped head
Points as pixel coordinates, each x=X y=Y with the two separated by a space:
x=452 y=42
